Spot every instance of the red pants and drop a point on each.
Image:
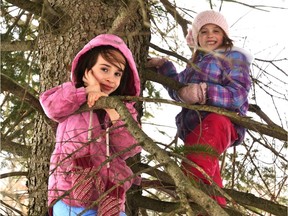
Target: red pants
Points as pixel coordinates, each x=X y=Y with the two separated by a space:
x=218 y=132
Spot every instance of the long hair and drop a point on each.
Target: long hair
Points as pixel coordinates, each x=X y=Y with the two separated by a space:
x=110 y=54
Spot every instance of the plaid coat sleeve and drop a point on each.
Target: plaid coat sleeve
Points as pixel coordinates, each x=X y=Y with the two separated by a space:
x=231 y=91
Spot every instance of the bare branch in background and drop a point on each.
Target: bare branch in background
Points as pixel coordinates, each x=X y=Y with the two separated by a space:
x=17 y=46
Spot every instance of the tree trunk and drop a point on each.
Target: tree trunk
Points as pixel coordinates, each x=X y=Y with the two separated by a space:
x=59 y=41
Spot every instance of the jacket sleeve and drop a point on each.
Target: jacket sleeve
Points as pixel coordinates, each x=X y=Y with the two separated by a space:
x=62 y=101
x=232 y=93
x=168 y=69
x=121 y=138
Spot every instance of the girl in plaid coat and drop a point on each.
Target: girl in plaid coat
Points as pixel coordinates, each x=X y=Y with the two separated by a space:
x=219 y=76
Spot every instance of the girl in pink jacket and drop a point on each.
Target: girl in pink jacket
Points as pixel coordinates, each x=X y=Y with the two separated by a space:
x=91 y=147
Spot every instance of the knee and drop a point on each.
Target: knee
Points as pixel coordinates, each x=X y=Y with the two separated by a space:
x=217 y=121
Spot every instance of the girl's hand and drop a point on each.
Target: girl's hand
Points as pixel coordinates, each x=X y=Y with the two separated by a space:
x=193 y=93
x=93 y=96
x=113 y=114
x=90 y=80
x=155 y=62
x=92 y=89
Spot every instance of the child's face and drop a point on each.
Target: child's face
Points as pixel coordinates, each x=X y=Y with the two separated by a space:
x=210 y=37
x=107 y=75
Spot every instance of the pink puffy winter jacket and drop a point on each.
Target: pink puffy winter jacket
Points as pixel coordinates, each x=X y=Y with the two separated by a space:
x=79 y=172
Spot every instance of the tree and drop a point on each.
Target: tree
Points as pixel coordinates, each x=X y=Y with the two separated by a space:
x=40 y=41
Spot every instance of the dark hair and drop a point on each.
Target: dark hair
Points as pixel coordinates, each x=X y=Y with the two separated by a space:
x=88 y=60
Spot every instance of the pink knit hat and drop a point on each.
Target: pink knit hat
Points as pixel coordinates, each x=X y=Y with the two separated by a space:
x=202 y=19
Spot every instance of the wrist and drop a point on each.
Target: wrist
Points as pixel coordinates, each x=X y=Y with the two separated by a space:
x=161 y=62
x=92 y=88
x=113 y=115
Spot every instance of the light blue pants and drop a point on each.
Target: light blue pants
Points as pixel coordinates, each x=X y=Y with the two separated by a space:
x=62 y=209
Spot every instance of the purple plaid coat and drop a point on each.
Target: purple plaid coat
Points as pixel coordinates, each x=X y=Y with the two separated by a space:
x=227 y=77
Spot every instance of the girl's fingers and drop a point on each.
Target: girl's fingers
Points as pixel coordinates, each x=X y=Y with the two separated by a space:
x=86 y=73
x=93 y=97
x=85 y=77
x=89 y=78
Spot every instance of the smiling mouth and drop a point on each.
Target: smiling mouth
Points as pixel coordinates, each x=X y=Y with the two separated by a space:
x=211 y=42
x=107 y=88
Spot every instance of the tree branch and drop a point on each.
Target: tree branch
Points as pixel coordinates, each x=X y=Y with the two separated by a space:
x=42 y=9
x=24 y=93
x=241 y=198
x=181 y=181
x=174 y=13
x=270 y=130
x=30 y=6
x=15 y=148
x=176 y=176
x=11 y=208
x=121 y=20
x=255 y=108
x=8 y=46
x=169 y=53
x=170 y=207
x=13 y=174
x=257 y=202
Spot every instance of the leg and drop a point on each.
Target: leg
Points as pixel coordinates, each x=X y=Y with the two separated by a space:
x=218 y=132
x=62 y=209
x=218 y=180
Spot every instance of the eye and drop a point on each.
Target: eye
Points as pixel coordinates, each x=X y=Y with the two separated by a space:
x=104 y=69
x=217 y=30
x=118 y=74
x=203 y=32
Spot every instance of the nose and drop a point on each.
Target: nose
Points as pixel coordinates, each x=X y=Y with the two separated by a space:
x=110 y=78
x=210 y=34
